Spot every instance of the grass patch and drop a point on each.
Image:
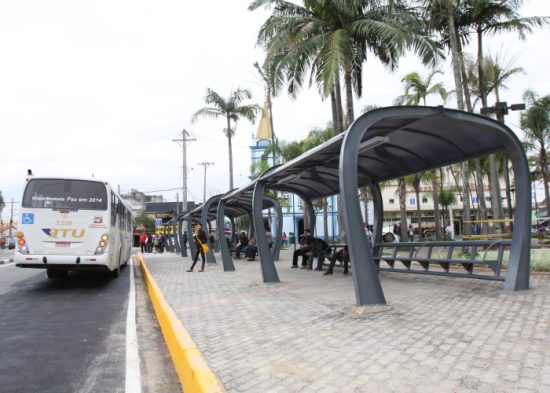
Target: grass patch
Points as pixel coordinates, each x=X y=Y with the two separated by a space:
x=540 y=259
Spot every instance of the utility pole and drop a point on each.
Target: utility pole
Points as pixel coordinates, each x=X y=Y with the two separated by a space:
x=184 y=139
x=11 y=219
x=205 y=165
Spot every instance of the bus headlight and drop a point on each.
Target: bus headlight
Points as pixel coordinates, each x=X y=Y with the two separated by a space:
x=99 y=251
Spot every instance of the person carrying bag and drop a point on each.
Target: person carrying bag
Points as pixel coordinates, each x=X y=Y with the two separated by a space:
x=200 y=247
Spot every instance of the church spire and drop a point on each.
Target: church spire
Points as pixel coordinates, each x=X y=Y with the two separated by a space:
x=264 y=128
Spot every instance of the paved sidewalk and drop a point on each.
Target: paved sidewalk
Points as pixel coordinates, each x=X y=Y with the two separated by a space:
x=442 y=335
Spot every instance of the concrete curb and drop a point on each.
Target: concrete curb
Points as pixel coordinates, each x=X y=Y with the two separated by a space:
x=193 y=371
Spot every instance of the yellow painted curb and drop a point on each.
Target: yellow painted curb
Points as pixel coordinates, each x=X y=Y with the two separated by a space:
x=193 y=371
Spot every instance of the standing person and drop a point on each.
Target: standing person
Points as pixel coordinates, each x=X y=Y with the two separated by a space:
x=269 y=237
x=283 y=237
x=155 y=243
x=411 y=233
x=149 y=243
x=160 y=241
x=200 y=239
x=142 y=242
x=305 y=246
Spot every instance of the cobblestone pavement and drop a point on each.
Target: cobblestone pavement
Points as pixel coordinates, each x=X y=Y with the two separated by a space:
x=442 y=334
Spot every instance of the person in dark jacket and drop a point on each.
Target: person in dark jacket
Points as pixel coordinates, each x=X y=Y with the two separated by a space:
x=319 y=250
x=243 y=242
x=306 y=244
x=200 y=239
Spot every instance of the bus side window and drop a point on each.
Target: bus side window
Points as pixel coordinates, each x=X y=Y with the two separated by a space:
x=113 y=210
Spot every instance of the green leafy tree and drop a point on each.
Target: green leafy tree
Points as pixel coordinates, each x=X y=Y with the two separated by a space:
x=145 y=221
x=535 y=123
x=232 y=109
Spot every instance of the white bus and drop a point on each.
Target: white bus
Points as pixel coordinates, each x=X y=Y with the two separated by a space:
x=72 y=224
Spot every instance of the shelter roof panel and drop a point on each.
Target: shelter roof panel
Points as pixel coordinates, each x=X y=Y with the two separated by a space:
x=419 y=139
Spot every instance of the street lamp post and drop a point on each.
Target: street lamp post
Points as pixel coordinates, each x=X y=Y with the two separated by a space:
x=500 y=109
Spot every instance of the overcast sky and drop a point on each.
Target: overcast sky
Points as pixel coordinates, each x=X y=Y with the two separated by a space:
x=103 y=87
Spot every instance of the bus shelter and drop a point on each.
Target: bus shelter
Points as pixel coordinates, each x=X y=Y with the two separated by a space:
x=386 y=144
x=238 y=203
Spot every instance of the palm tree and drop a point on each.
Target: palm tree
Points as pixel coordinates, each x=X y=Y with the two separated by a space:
x=232 y=110
x=418 y=88
x=333 y=37
x=535 y=123
x=496 y=16
x=491 y=17
x=415 y=182
x=445 y=17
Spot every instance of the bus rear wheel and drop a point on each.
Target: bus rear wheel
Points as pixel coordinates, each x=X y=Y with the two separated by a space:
x=116 y=272
x=56 y=273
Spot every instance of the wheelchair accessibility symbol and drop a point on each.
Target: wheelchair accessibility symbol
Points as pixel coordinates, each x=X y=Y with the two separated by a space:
x=28 y=218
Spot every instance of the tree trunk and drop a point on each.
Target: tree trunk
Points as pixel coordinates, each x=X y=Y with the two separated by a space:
x=339 y=111
x=340 y=216
x=418 y=212
x=481 y=197
x=496 y=205
x=508 y=192
x=325 y=219
x=480 y=72
x=349 y=98
x=402 y=208
x=455 y=56
x=335 y=128
x=544 y=172
x=467 y=98
x=466 y=214
x=437 y=215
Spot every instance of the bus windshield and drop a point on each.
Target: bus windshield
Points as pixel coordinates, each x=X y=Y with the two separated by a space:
x=65 y=194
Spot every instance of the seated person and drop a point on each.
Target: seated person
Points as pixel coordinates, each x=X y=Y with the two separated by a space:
x=306 y=244
x=251 y=250
x=341 y=255
x=243 y=242
x=319 y=250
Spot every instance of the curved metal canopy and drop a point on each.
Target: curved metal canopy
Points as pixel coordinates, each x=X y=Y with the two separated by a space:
x=407 y=144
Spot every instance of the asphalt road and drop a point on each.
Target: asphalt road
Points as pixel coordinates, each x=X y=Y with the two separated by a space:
x=69 y=335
